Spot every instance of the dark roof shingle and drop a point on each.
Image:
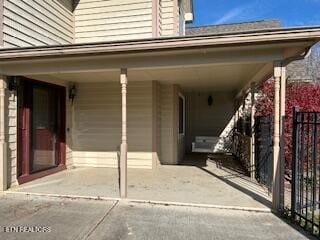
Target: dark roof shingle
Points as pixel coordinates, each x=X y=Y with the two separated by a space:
x=234 y=27
x=307 y=69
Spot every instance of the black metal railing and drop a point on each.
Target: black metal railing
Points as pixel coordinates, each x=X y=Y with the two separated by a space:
x=263 y=150
x=305 y=197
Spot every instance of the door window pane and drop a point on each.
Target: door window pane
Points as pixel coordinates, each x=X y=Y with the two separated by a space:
x=43 y=129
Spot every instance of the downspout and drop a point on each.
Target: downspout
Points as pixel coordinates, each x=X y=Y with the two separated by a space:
x=280 y=84
x=305 y=54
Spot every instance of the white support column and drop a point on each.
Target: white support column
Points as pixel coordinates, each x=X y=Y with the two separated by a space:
x=124 y=147
x=252 y=143
x=276 y=139
x=283 y=85
x=3 y=144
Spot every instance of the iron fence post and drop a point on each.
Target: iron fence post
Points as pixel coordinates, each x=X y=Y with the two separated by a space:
x=294 y=163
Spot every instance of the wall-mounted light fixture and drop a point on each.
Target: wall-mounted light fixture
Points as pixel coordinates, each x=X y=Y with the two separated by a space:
x=210 y=100
x=13 y=83
x=72 y=92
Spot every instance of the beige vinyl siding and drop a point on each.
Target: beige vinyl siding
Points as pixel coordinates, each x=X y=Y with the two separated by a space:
x=155 y=124
x=159 y=15
x=205 y=120
x=37 y=22
x=169 y=146
x=168 y=124
x=11 y=135
x=98 y=20
x=168 y=17
x=97 y=124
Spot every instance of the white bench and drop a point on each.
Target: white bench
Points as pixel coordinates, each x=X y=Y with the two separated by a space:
x=205 y=144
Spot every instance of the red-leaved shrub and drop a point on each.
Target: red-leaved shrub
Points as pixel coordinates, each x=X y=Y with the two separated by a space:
x=305 y=96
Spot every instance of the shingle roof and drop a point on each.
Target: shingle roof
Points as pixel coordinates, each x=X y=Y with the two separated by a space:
x=234 y=27
x=298 y=71
x=306 y=69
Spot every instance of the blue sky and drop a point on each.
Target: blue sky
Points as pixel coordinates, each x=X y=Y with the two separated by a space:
x=290 y=12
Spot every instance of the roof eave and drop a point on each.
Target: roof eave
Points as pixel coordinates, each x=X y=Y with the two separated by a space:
x=147 y=45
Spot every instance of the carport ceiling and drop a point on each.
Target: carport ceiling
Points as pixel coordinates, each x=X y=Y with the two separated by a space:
x=218 y=77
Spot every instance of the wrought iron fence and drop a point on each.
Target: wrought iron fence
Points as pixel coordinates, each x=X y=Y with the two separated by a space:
x=263 y=150
x=305 y=197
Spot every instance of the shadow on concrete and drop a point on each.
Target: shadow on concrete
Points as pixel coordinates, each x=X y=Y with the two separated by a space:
x=224 y=161
x=235 y=177
x=195 y=160
x=243 y=189
x=306 y=234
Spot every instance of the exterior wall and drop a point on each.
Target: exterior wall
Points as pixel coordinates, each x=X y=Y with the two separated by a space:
x=158 y=120
x=157 y=27
x=100 y=20
x=96 y=128
x=168 y=124
x=62 y=22
x=155 y=124
x=205 y=120
x=11 y=135
x=37 y=23
x=169 y=18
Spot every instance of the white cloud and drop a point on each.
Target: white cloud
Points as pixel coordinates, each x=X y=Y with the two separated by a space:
x=233 y=13
x=251 y=9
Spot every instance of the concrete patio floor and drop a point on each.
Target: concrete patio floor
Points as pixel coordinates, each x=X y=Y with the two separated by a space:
x=98 y=219
x=197 y=180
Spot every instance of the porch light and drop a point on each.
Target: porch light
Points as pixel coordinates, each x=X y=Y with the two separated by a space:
x=72 y=92
x=210 y=100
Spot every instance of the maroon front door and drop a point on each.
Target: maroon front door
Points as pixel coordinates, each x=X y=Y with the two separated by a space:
x=41 y=129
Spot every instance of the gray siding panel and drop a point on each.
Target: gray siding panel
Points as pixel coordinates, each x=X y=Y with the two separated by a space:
x=37 y=22
x=54 y=22
x=97 y=124
x=167 y=124
x=11 y=135
x=110 y=20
